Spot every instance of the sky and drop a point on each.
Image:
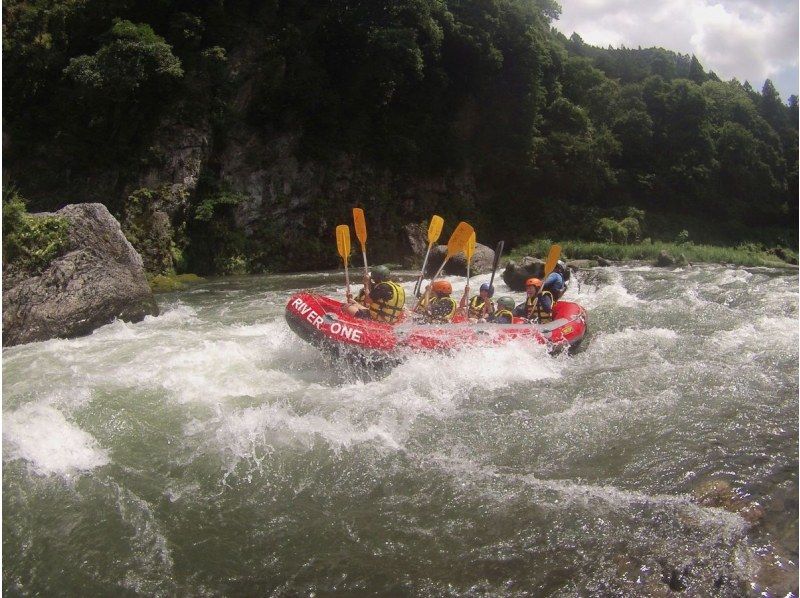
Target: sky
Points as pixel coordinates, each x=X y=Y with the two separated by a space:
x=750 y=40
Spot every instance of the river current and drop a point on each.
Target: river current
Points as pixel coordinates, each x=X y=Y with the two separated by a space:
x=210 y=452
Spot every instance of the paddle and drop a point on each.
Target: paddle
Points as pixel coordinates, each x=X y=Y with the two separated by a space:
x=549 y=265
x=457 y=243
x=497 y=253
x=343 y=247
x=469 y=251
x=361 y=232
x=434 y=230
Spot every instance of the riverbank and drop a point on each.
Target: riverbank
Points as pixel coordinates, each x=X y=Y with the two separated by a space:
x=744 y=255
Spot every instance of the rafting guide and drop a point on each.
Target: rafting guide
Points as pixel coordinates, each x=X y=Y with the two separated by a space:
x=378 y=326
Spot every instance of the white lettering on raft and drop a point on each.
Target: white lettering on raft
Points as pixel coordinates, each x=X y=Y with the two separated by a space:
x=353 y=334
x=305 y=310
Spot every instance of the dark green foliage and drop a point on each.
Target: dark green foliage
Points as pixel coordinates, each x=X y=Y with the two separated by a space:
x=148 y=228
x=558 y=135
x=134 y=60
x=30 y=242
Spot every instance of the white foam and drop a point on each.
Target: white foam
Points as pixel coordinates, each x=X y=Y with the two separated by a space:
x=612 y=294
x=487 y=367
x=763 y=332
x=173 y=314
x=252 y=431
x=634 y=336
x=732 y=277
x=43 y=437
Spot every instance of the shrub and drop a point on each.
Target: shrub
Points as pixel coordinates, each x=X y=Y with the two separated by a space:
x=683 y=237
x=206 y=209
x=633 y=230
x=610 y=231
x=30 y=242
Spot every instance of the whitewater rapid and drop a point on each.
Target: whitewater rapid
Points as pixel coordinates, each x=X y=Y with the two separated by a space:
x=209 y=451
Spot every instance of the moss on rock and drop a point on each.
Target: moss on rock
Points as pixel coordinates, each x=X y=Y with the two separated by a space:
x=167 y=283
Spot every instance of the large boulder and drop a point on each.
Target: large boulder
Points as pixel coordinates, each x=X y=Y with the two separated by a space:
x=516 y=273
x=99 y=278
x=482 y=261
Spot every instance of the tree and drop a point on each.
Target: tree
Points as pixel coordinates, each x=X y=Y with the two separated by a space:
x=120 y=90
x=696 y=72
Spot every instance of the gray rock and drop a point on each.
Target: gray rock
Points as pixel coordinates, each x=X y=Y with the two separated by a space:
x=582 y=264
x=482 y=261
x=98 y=279
x=515 y=273
x=601 y=261
x=664 y=259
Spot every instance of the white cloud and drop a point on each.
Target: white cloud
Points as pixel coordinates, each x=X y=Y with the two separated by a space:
x=747 y=39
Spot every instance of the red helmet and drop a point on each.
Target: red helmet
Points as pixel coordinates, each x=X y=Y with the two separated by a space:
x=442 y=287
x=533 y=282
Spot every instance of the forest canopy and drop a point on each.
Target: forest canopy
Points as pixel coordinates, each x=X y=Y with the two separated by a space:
x=557 y=133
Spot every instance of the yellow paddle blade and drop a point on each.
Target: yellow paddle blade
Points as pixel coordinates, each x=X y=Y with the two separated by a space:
x=360 y=226
x=459 y=239
x=435 y=229
x=552 y=258
x=343 y=242
x=470 y=248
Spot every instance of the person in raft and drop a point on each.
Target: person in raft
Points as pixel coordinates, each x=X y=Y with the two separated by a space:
x=538 y=307
x=442 y=307
x=383 y=302
x=481 y=306
x=557 y=281
x=505 y=311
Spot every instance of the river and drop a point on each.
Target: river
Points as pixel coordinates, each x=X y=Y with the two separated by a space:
x=211 y=452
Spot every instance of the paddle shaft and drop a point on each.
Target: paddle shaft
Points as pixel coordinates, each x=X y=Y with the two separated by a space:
x=347 y=280
x=497 y=253
x=422 y=272
x=366 y=270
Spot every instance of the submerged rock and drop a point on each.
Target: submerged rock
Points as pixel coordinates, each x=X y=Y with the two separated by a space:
x=99 y=278
x=664 y=259
x=582 y=264
x=721 y=494
x=601 y=261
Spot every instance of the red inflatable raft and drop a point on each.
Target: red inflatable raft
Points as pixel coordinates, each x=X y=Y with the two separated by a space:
x=325 y=323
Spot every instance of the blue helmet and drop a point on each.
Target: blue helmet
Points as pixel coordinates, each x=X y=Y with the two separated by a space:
x=488 y=288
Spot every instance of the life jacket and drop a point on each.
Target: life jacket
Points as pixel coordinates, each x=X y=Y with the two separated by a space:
x=388 y=310
x=445 y=317
x=422 y=305
x=535 y=311
x=476 y=305
x=503 y=313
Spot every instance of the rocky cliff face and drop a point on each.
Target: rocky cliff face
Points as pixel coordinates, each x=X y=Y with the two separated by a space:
x=287 y=207
x=98 y=279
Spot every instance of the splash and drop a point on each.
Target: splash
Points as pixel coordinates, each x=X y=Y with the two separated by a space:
x=43 y=437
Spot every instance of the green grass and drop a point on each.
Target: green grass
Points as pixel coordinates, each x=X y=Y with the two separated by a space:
x=743 y=255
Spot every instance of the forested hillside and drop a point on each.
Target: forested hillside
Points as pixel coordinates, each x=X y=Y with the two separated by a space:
x=233 y=136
